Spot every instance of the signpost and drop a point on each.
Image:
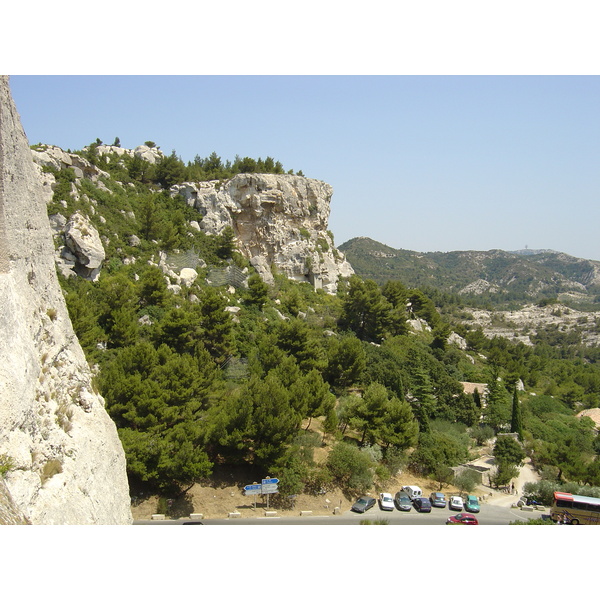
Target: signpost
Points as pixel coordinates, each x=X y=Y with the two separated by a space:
x=253 y=490
x=267 y=486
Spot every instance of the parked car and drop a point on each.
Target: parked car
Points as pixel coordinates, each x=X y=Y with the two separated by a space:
x=471 y=503
x=437 y=499
x=455 y=503
x=462 y=519
x=422 y=504
x=386 y=502
x=363 y=504
x=402 y=501
x=413 y=491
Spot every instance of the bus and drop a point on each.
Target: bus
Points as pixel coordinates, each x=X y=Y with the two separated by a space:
x=574 y=509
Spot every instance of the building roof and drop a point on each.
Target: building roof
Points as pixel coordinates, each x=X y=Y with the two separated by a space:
x=469 y=387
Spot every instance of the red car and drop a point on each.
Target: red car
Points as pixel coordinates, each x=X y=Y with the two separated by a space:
x=462 y=519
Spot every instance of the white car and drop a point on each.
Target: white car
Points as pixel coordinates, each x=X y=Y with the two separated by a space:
x=386 y=502
x=455 y=503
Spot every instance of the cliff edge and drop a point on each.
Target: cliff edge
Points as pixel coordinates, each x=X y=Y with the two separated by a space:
x=67 y=465
x=279 y=221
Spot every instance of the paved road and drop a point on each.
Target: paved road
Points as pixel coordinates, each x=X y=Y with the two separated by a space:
x=489 y=515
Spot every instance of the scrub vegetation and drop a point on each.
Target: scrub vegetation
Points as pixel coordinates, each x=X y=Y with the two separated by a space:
x=191 y=385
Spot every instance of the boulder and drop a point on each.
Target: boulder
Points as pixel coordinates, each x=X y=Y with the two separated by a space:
x=84 y=242
x=187 y=276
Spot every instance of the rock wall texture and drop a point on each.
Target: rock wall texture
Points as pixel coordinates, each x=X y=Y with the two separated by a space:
x=68 y=465
x=279 y=221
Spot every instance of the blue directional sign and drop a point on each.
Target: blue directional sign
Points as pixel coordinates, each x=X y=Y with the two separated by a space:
x=250 y=490
x=269 y=486
x=268 y=481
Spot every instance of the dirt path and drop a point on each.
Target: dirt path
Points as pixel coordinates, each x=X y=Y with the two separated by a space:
x=498 y=498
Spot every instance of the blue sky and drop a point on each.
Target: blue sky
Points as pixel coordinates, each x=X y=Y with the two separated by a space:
x=426 y=163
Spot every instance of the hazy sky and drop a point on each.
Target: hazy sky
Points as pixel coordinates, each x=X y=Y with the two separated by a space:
x=427 y=163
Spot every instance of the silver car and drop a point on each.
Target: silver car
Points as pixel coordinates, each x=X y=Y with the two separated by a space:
x=455 y=503
x=437 y=499
x=386 y=502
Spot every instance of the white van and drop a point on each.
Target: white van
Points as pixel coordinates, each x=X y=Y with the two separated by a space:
x=413 y=491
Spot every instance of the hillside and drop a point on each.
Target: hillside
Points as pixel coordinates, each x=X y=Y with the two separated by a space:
x=228 y=348
x=493 y=276
x=231 y=341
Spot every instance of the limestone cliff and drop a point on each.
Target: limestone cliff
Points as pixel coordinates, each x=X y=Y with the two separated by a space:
x=279 y=221
x=68 y=465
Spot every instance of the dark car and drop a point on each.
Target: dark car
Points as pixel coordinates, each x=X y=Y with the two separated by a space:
x=462 y=519
x=402 y=501
x=363 y=504
x=422 y=504
x=437 y=499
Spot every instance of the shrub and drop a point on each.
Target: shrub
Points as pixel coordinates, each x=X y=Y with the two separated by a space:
x=6 y=464
x=467 y=480
x=540 y=521
x=350 y=468
x=162 y=506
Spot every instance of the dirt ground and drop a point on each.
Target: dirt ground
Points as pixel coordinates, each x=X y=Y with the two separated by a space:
x=217 y=500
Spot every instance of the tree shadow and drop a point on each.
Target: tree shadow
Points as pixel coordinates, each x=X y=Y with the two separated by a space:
x=181 y=506
x=224 y=476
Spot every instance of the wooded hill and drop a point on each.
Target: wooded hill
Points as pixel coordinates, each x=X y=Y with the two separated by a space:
x=493 y=277
x=232 y=373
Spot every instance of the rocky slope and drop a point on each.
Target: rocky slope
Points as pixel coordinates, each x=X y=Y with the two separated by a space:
x=531 y=320
x=279 y=221
x=68 y=465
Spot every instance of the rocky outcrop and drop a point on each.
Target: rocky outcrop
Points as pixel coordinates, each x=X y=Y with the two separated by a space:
x=67 y=463
x=279 y=221
x=150 y=154
x=523 y=324
x=83 y=241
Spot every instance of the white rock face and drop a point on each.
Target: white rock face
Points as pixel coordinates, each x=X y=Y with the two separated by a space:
x=279 y=221
x=69 y=462
x=521 y=325
x=84 y=242
x=57 y=158
x=147 y=153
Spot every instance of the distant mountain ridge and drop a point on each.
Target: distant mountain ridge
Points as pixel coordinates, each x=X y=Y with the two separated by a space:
x=522 y=275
